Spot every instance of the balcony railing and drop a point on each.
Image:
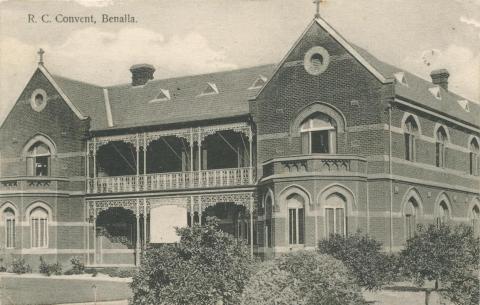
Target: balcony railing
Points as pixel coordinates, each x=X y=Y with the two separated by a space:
x=172 y=181
x=318 y=164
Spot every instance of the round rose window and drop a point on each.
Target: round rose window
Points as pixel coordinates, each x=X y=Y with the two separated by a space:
x=38 y=100
x=316 y=60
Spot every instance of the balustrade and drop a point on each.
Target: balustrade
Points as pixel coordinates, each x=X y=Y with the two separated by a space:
x=322 y=164
x=171 y=181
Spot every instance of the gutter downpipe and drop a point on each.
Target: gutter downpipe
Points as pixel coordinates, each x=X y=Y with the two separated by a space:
x=390 y=172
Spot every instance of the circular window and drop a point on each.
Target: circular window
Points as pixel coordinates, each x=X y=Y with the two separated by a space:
x=316 y=60
x=38 y=101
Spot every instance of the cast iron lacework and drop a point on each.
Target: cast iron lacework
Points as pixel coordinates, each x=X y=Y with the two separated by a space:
x=199 y=203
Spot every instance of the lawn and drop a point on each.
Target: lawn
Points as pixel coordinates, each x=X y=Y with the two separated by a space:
x=20 y=290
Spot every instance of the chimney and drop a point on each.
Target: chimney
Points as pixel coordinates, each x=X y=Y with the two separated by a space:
x=440 y=77
x=141 y=74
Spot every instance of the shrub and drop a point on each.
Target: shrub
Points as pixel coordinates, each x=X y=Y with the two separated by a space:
x=3 y=269
x=49 y=269
x=206 y=266
x=304 y=278
x=78 y=267
x=363 y=256
x=19 y=266
x=447 y=255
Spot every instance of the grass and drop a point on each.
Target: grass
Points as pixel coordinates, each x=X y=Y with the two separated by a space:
x=400 y=294
x=38 y=291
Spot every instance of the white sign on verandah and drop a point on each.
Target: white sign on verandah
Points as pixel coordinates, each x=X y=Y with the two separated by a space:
x=165 y=215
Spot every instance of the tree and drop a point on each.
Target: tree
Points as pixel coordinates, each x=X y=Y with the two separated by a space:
x=302 y=278
x=363 y=256
x=206 y=266
x=443 y=254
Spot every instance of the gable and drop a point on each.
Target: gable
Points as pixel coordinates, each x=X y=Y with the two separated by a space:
x=323 y=45
x=30 y=115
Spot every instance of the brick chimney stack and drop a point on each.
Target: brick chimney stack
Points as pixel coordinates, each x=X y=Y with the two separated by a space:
x=141 y=74
x=440 y=78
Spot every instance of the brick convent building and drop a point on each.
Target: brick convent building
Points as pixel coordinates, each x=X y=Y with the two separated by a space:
x=329 y=140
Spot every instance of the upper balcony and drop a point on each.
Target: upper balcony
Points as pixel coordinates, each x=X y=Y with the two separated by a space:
x=202 y=157
x=317 y=164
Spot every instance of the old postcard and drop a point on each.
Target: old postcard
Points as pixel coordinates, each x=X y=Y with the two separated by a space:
x=239 y=152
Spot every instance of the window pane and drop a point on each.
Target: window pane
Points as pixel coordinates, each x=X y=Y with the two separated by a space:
x=301 y=226
x=407 y=147
x=292 y=226
x=340 y=225
x=41 y=233
x=330 y=221
x=41 y=166
x=305 y=143
x=320 y=143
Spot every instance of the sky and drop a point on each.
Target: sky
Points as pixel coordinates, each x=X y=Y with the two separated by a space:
x=184 y=37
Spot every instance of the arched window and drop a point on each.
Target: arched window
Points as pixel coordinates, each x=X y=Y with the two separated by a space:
x=443 y=214
x=410 y=131
x=9 y=220
x=268 y=221
x=38 y=160
x=335 y=216
x=39 y=228
x=474 y=159
x=318 y=134
x=411 y=214
x=296 y=219
x=475 y=218
x=441 y=139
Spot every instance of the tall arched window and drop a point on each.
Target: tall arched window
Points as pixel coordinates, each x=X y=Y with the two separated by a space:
x=475 y=218
x=411 y=214
x=441 y=139
x=296 y=219
x=335 y=216
x=9 y=221
x=39 y=228
x=38 y=160
x=410 y=131
x=443 y=214
x=318 y=134
x=268 y=221
x=474 y=157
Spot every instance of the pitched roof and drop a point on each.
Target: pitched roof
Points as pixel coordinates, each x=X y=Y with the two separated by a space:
x=133 y=106
x=130 y=106
x=417 y=90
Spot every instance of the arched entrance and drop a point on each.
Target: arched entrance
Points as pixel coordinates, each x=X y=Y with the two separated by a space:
x=115 y=237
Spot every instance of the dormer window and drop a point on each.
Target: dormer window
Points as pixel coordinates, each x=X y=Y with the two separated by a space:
x=400 y=78
x=435 y=91
x=163 y=95
x=259 y=82
x=211 y=88
x=464 y=105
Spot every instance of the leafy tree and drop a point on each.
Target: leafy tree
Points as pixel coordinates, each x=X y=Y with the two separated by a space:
x=206 y=266
x=363 y=256
x=447 y=255
x=302 y=278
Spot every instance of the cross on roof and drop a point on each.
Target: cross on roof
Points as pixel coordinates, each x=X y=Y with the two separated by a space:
x=40 y=56
x=317 y=3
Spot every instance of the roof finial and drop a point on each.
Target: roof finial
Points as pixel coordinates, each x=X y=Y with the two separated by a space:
x=40 y=56
x=317 y=3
